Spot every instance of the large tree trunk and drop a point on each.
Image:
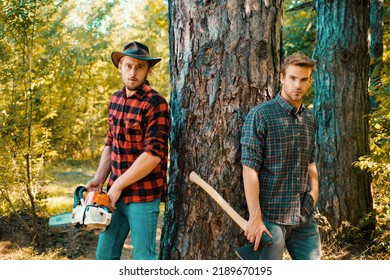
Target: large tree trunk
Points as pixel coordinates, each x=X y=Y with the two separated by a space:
x=341 y=106
x=225 y=58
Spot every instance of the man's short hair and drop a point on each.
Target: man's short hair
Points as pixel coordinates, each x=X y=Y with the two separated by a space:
x=298 y=59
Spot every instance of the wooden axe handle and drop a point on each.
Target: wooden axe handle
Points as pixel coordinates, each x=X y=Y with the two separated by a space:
x=219 y=199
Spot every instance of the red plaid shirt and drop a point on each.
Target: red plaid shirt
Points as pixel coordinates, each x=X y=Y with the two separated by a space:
x=139 y=123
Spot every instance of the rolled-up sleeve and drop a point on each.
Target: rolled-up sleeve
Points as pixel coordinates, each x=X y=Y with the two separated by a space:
x=109 y=137
x=157 y=129
x=253 y=140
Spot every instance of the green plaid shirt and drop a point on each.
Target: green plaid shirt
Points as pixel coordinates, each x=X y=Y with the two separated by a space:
x=278 y=142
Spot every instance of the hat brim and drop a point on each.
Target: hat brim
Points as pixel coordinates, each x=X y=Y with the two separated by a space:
x=116 y=57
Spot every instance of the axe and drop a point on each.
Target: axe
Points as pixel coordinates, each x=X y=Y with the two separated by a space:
x=245 y=252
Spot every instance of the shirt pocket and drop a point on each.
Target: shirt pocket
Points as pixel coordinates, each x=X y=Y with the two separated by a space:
x=279 y=142
x=133 y=131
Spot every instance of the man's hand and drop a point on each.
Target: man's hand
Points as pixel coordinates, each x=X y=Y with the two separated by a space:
x=114 y=193
x=255 y=227
x=94 y=185
x=254 y=231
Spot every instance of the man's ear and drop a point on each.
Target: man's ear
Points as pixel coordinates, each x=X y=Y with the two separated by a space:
x=281 y=78
x=150 y=70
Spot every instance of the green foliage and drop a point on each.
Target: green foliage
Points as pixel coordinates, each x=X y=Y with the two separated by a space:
x=64 y=50
x=377 y=161
x=56 y=77
x=25 y=140
x=299 y=32
x=149 y=25
x=299 y=28
x=48 y=91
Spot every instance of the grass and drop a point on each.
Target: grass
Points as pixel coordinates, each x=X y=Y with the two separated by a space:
x=66 y=177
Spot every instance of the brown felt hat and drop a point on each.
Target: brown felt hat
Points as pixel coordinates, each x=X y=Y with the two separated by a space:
x=135 y=50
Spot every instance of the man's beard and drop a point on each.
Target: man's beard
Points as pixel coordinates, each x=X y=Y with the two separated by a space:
x=135 y=88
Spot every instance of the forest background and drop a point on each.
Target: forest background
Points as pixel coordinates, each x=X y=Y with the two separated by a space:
x=56 y=80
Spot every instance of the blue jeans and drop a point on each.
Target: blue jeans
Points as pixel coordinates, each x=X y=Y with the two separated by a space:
x=140 y=219
x=302 y=241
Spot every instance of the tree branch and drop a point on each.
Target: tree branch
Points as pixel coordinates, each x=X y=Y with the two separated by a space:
x=301 y=7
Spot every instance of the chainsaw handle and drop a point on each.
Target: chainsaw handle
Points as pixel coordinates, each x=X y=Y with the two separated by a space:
x=79 y=195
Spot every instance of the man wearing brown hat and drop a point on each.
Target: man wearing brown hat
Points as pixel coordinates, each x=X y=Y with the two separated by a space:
x=135 y=156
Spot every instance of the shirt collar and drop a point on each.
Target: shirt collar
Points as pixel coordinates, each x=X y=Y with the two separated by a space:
x=287 y=106
x=145 y=88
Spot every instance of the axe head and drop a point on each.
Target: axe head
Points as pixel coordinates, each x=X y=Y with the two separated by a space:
x=247 y=252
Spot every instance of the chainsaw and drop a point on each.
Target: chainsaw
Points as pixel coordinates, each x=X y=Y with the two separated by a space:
x=91 y=211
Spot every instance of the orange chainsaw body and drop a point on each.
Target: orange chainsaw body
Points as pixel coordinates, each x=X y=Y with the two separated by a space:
x=98 y=199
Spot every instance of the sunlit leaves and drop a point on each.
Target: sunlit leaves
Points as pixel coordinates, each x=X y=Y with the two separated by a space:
x=49 y=75
x=299 y=28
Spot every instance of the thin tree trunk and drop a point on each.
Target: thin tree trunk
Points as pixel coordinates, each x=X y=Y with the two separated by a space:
x=376 y=48
x=225 y=58
x=376 y=36
x=341 y=106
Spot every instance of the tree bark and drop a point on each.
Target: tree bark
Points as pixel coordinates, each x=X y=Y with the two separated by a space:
x=341 y=106
x=376 y=49
x=376 y=33
x=225 y=58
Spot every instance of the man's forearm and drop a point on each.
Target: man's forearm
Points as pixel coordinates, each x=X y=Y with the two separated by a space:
x=143 y=165
x=255 y=227
x=313 y=182
x=104 y=166
x=251 y=188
